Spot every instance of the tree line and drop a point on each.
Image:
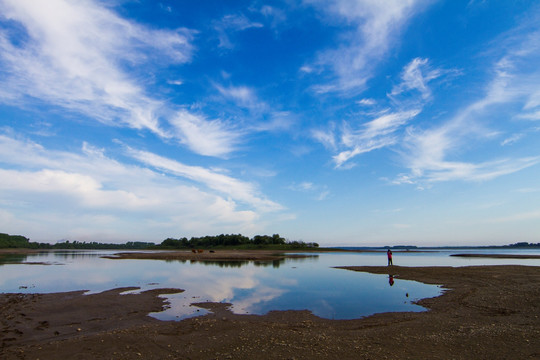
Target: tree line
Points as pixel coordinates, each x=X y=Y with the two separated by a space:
x=13 y=241
x=235 y=240
x=522 y=245
x=218 y=241
x=19 y=241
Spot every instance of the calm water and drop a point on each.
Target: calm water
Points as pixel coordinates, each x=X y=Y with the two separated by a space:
x=251 y=287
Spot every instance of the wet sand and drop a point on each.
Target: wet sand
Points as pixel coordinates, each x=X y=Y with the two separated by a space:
x=217 y=255
x=488 y=312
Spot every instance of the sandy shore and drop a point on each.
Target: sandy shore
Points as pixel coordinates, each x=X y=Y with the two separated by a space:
x=218 y=255
x=489 y=312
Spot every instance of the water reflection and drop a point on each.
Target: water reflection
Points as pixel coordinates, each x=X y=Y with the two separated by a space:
x=240 y=263
x=48 y=257
x=252 y=287
x=328 y=293
x=12 y=259
x=70 y=254
x=391 y=280
x=26 y=259
x=234 y=263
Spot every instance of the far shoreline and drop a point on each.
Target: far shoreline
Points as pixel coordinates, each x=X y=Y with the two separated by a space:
x=224 y=254
x=499 y=256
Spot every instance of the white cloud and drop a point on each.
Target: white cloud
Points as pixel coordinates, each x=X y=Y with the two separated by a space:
x=427 y=153
x=277 y=16
x=205 y=137
x=323 y=195
x=75 y=57
x=327 y=138
x=512 y=139
x=83 y=190
x=242 y=96
x=534 y=115
x=387 y=124
x=415 y=76
x=376 y=24
x=427 y=159
x=366 y=102
x=375 y=134
x=306 y=69
x=383 y=130
x=61 y=192
x=258 y=115
x=175 y=82
x=82 y=56
x=322 y=192
x=303 y=186
x=236 y=189
x=230 y=24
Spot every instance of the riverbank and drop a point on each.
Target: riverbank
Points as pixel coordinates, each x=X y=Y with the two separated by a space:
x=488 y=312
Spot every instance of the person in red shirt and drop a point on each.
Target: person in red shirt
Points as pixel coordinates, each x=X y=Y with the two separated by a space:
x=389 y=254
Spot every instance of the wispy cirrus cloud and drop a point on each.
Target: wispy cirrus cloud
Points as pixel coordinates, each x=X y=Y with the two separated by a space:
x=275 y=15
x=384 y=128
x=76 y=55
x=203 y=136
x=326 y=137
x=512 y=90
x=532 y=115
x=512 y=139
x=321 y=192
x=374 y=134
x=415 y=77
x=375 y=28
x=255 y=114
x=234 y=188
x=427 y=158
x=230 y=24
x=367 y=102
x=242 y=96
x=83 y=57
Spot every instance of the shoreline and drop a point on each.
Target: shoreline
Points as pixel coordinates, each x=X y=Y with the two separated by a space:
x=498 y=256
x=217 y=255
x=485 y=312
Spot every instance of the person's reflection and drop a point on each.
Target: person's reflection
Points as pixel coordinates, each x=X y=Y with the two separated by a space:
x=391 y=280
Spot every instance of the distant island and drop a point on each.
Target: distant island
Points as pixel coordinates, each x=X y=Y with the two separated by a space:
x=236 y=241
x=518 y=245
x=22 y=242
x=223 y=241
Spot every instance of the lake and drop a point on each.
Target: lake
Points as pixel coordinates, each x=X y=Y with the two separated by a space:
x=310 y=283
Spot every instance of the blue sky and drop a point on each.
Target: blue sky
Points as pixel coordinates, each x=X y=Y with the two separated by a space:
x=340 y=122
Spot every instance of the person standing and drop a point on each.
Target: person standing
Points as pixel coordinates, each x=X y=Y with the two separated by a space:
x=389 y=254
